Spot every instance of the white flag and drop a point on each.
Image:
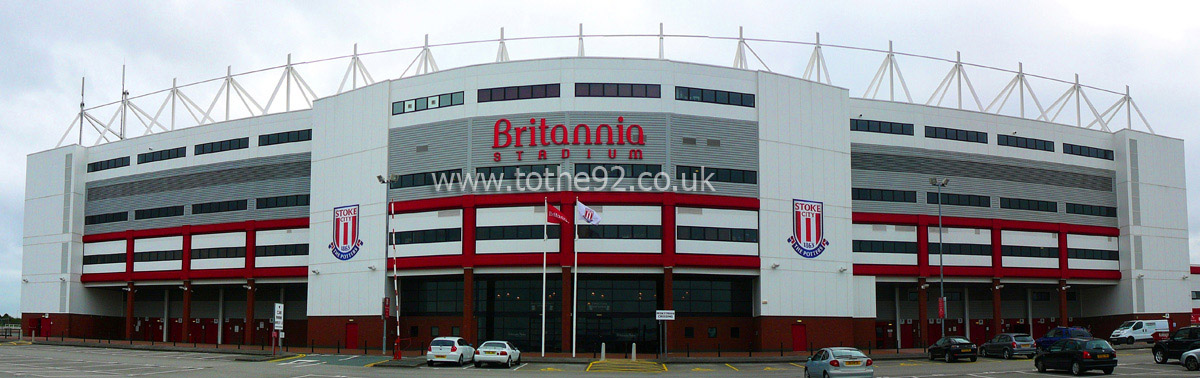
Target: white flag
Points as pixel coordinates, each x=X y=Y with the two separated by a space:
x=587 y=214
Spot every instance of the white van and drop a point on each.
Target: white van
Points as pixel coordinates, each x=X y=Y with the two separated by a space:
x=1137 y=330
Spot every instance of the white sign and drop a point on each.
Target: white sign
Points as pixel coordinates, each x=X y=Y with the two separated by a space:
x=664 y=315
x=278 y=316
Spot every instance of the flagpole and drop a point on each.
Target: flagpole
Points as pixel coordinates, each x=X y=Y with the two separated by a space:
x=575 y=286
x=545 y=249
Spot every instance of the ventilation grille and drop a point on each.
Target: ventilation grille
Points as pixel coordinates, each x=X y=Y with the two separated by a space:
x=960 y=168
x=423 y=148
x=204 y=179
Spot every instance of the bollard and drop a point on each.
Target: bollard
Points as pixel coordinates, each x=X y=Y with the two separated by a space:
x=633 y=352
x=780 y=349
x=688 y=349
x=749 y=350
x=718 y=349
x=602 y=346
x=339 y=347
x=311 y=348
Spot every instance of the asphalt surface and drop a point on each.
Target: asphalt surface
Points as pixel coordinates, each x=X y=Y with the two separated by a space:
x=69 y=361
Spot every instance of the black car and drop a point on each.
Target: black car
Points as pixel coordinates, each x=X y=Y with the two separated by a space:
x=952 y=348
x=1007 y=345
x=1078 y=355
x=1182 y=340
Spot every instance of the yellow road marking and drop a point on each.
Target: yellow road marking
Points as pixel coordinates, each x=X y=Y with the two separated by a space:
x=287 y=358
x=375 y=363
x=17 y=343
x=794 y=364
x=589 y=367
x=731 y=367
x=551 y=369
x=701 y=369
x=768 y=368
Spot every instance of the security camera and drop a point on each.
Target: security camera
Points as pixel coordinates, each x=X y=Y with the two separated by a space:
x=842 y=270
x=63 y=279
x=925 y=286
x=247 y=287
x=775 y=265
x=25 y=280
x=314 y=271
x=381 y=180
x=1065 y=287
x=371 y=267
x=998 y=287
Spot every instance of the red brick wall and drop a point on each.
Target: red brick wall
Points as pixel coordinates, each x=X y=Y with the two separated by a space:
x=330 y=331
x=700 y=342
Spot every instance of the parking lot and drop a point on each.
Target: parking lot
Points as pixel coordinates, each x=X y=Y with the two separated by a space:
x=66 y=361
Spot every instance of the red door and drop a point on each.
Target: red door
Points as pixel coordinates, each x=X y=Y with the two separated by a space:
x=799 y=337
x=45 y=328
x=981 y=331
x=352 y=335
x=176 y=331
x=233 y=331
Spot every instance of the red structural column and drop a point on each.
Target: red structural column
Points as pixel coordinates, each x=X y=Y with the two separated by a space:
x=997 y=319
x=668 y=231
x=129 y=290
x=923 y=310
x=997 y=256
x=1062 y=252
x=923 y=247
x=1062 y=303
x=248 y=332
x=129 y=255
x=251 y=236
x=468 y=317
x=186 y=259
x=566 y=257
x=185 y=328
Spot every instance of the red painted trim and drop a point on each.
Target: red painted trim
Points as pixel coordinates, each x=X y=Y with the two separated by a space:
x=1096 y=274
x=717 y=261
x=273 y=224
x=997 y=252
x=985 y=271
x=600 y=198
x=468 y=235
x=620 y=259
x=1195 y=269
x=517 y=259
x=886 y=270
x=102 y=277
x=288 y=271
x=915 y=219
x=425 y=262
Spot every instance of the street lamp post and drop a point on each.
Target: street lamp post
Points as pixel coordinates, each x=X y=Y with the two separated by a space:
x=387 y=242
x=939 y=183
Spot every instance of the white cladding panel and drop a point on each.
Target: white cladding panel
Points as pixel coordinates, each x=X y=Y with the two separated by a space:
x=886 y=258
x=1027 y=262
x=508 y=216
x=231 y=239
x=691 y=216
x=706 y=247
x=281 y=237
x=960 y=260
x=277 y=261
x=425 y=221
x=226 y=263
x=1093 y=264
x=104 y=248
x=149 y=266
x=167 y=243
x=961 y=235
x=104 y=268
x=886 y=232
x=647 y=215
x=1029 y=239
x=1108 y=243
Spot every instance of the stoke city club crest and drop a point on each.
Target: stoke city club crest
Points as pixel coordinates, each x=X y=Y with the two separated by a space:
x=808 y=228
x=345 y=232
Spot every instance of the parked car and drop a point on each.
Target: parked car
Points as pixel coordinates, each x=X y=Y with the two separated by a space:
x=1007 y=345
x=1191 y=359
x=497 y=352
x=952 y=348
x=838 y=362
x=1137 y=330
x=449 y=349
x=1060 y=333
x=1078 y=355
x=1182 y=340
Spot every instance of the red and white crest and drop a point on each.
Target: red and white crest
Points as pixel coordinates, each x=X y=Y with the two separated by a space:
x=808 y=228
x=345 y=232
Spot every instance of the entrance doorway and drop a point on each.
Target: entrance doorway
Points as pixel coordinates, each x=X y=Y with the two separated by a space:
x=799 y=337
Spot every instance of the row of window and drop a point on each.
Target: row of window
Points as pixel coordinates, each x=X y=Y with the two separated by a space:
x=956 y=134
x=153 y=156
x=1028 y=204
x=736 y=176
x=158 y=212
x=959 y=199
x=285 y=137
x=1023 y=142
x=1100 y=211
x=218 y=253
x=104 y=259
x=282 y=201
x=614 y=231
x=713 y=296
x=1027 y=251
x=628 y=170
x=425 y=178
x=881 y=127
x=518 y=93
x=106 y=218
x=962 y=249
x=281 y=250
x=427 y=236
x=425 y=103
x=617 y=90
x=1092 y=152
x=225 y=145
x=748 y=235
x=219 y=207
x=524 y=232
x=713 y=96
x=1092 y=254
x=512 y=171
x=158 y=256
x=108 y=164
x=879 y=246
x=864 y=194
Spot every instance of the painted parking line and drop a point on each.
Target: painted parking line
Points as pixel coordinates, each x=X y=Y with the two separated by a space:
x=731 y=367
x=287 y=358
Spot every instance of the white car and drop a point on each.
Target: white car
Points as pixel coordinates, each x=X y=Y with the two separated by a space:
x=497 y=352
x=449 y=349
x=1191 y=360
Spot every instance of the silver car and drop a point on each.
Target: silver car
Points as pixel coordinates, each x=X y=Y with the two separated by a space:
x=1191 y=359
x=839 y=362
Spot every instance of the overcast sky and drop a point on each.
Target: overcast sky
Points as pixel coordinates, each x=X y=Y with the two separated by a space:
x=45 y=48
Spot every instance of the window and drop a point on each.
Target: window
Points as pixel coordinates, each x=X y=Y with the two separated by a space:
x=1028 y=204
x=623 y=231
x=518 y=93
x=432 y=296
x=108 y=164
x=160 y=212
x=281 y=250
x=1027 y=251
x=712 y=332
x=1041 y=296
x=511 y=172
x=617 y=90
x=735 y=332
x=689 y=332
x=433 y=332
x=218 y=207
x=746 y=235
x=414 y=331
x=450 y=176
x=960 y=199
x=714 y=96
x=736 y=176
x=880 y=246
x=704 y=295
x=886 y=195
x=1195 y=295
x=526 y=232
x=1092 y=152
x=615 y=170
x=1092 y=254
x=106 y=218
x=881 y=127
x=1099 y=211
x=281 y=201
x=158 y=256
x=218 y=253
x=285 y=137
x=962 y=249
x=956 y=134
x=426 y=103
x=154 y=156
x=1023 y=142
x=455 y=331
x=225 y=145
x=439 y=235
x=104 y=259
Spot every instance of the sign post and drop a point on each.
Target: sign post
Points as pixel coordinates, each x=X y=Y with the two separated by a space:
x=383 y=340
x=278 y=326
x=663 y=316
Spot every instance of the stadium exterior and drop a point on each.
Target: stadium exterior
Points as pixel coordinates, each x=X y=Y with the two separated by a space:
x=820 y=226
